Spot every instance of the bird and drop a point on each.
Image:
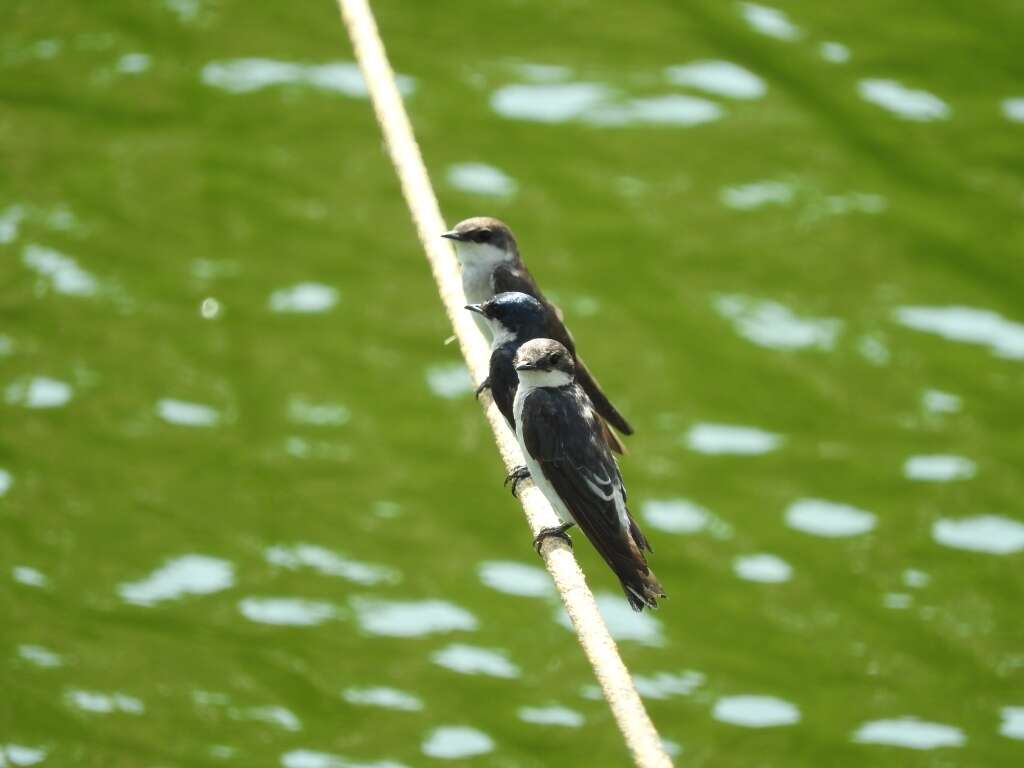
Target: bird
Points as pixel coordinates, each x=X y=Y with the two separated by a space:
x=569 y=461
x=490 y=262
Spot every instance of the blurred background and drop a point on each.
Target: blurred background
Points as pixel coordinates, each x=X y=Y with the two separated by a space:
x=250 y=513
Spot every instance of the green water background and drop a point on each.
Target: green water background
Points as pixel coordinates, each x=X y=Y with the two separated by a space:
x=249 y=512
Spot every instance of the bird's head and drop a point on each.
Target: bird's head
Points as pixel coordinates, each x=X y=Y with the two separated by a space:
x=544 y=363
x=483 y=240
x=512 y=315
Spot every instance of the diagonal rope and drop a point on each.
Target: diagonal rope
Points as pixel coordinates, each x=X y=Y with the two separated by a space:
x=598 y=645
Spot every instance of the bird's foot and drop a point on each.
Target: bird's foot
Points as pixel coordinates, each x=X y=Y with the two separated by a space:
x=559 y=531
x=485 y=384
x=516 y=476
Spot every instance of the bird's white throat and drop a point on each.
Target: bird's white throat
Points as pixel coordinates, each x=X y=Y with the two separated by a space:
x=531 y=380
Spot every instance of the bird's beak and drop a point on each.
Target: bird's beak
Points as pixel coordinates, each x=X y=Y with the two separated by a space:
x=478 y=308
x=453 y=235
x=526 y=367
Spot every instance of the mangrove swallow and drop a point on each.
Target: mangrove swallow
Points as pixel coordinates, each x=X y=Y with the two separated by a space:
x=569 y=461
x=490 y=263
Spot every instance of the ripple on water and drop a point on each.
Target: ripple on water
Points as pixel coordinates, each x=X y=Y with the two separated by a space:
x=1012 y=726
x=720 y=439
x=287 y=611
x=451 y=742
x=903 y=102
x=308 y=758
x=449 y=380
x=969 y=325
x=829 y=519
x=765 y=568
x=330 y=564
x=514 y=578
x=304 y=298
x=770 y=21
x=664 y=685
x=472 y=660
x=773 y=325
x=1013 y=109
x=481 y=179
x=61 y=271
x=413 y=618
x=992 y=534
x=938 y=468
x=623 y=623
x=6 y=481
x=185 y=414
x=553 y=715
x=380 y=696
x=104 y=703
x=40 y=656
x=39 y=392
x=19 y=754
x=909 y=732
x=185 y=575
x=248 y=75
x=722 y=78
x=753 y=711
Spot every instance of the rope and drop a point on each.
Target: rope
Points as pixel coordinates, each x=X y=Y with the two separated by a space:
x=598 y=645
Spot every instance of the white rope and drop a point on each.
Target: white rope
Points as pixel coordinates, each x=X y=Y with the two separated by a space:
x=598 y=645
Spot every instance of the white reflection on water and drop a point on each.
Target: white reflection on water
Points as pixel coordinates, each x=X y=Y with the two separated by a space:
x=773 y=325
x=938 y=468
x=387 y=698
x=304 y=298
x=1003 y=337
x=992 y=534
x=301 y=411
x=553 y=715
x=185 y=575
x=248 y=75
x=308 y=758
x=597 y=104
x=937 y=401
x=6 y=481
x=330 y=564
x=104 y=703
x=481 y=179
x=903 y=102
x=40 y=656
x=770 y=21
x=451 y=742
x=449 y=380
x=718 y=439
x=411 y=619
x=514 y=578
x=837 y=53
x=827 y=518
x=1012 y=726
x=1013 y=110
x=19 y=754
x=765 y=568
x=623 y=622
x=663 y=685
x=286 y=611
x=722 y=78
x=909 y=732
x=279 y=716
x=472 y=660
x=62 y=272
x=29 y=576
x=753 y=711
x=186 y=414
x=39 y=392
x=746 y=197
